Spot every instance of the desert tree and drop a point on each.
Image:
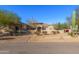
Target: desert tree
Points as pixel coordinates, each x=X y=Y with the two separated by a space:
x=8 y=18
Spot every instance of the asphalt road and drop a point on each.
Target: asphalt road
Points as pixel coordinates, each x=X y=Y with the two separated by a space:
x=38 y=48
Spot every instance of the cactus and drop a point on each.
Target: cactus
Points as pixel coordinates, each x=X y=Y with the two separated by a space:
x=74 y=20
x=74 y=25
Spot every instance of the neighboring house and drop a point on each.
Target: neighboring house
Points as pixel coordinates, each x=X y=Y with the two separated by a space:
x=36 y=27
x=42 y=28
x=50 y=30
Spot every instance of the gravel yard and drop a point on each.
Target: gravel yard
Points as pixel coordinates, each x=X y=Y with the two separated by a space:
x=41 y=38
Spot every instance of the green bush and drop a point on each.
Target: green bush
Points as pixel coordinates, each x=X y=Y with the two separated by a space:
x=71 y=34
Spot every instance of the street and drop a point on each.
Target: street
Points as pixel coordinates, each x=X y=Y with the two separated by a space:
x=39 y=48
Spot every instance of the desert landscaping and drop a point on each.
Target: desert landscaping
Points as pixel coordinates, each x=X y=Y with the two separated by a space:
x=54 y=33
x=12 y=29
x=64 y=37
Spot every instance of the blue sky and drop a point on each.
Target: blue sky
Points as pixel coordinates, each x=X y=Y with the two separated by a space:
x=42 y=13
